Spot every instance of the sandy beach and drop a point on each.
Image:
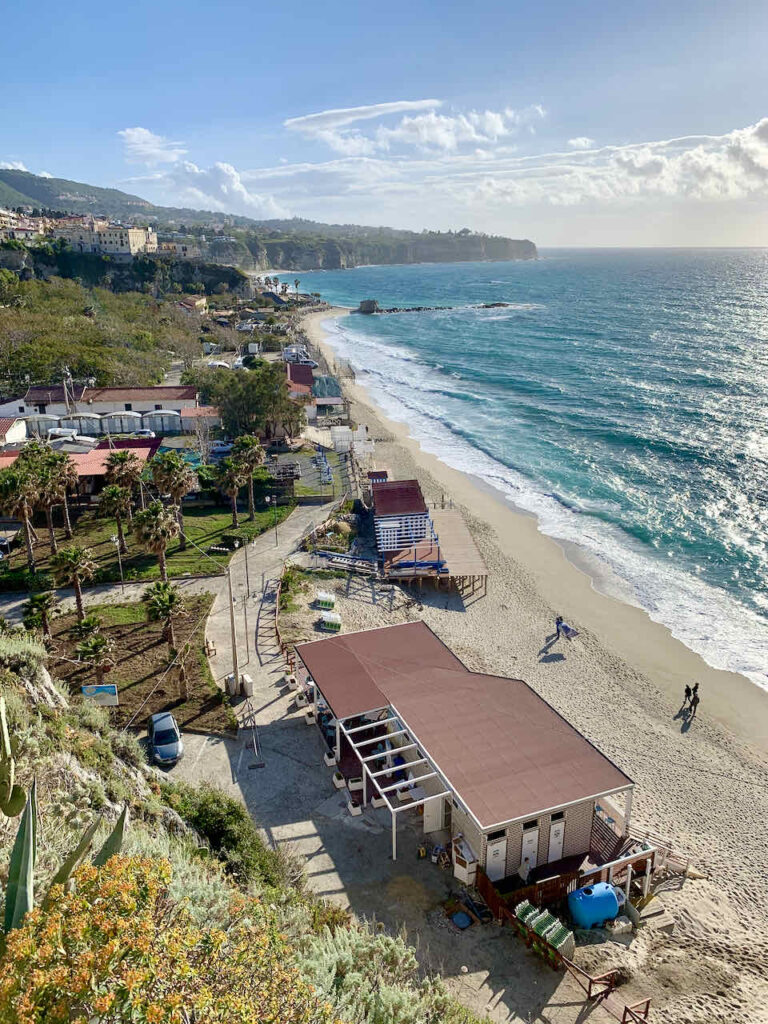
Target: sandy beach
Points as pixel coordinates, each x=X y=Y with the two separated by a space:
x=702 y=784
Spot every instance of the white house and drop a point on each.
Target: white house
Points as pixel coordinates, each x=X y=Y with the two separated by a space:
x=400 y=515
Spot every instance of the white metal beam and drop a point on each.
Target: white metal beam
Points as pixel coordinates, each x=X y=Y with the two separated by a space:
x=399 y=767
x=378 y=739
x=377 y=757
x=370 y=725
x=409 y=782
x=416 y=803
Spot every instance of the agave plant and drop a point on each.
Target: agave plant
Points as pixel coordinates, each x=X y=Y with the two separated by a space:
x=20 y=891
x=12 y=796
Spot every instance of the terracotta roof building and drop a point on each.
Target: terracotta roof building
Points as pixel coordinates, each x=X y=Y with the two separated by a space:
x=487 y=752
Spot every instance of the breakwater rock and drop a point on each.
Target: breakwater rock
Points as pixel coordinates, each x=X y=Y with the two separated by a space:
x=371 y=306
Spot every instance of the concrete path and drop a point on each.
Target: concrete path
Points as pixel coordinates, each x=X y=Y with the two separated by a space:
x=275 y=767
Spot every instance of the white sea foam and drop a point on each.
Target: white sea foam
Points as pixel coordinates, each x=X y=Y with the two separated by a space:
x=708 y=620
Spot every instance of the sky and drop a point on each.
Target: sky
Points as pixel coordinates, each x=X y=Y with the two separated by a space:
x=588 y=123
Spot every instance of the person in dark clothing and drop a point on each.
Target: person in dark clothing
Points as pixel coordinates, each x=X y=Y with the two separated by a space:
x=558 y=626
x=695 y=690
x=688 y=694
x=694 y=704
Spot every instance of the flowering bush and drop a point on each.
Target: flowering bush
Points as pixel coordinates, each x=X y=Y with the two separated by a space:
x=115 y=949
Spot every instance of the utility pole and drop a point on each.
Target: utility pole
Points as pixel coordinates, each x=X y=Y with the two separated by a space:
x=235 y=665
x=245 y=622
x=116 y=542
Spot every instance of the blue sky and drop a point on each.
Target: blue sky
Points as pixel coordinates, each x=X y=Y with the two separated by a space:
x=590 y=123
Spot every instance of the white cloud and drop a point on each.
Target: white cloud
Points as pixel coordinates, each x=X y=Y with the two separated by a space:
x=581 y=142
x=219 y=187
x=340 y=131
x=45 y=174
x=12 y=165
x=143 y=146
x=309 y=124
x=449 y=132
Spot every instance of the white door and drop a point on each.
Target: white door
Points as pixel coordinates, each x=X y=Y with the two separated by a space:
x=496 y=859
x=556 y=834
x=530 y=847
x=433 y=815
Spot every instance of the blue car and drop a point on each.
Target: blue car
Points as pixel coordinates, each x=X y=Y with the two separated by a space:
x=165 y=739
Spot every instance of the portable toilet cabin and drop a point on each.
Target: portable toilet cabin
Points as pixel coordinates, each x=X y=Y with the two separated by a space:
x=39 y=425
x=162 y=421
x=84 y=423
x=123 y=422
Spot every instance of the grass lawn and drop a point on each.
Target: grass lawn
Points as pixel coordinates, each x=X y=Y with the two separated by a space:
x=205 y=527
x=141 y=657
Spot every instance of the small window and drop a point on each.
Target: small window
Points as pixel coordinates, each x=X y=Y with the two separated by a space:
x=500 y=834
x=128 y=407
x=534 y=823
x=21 y=408
x=158 y=407
x=558 y=816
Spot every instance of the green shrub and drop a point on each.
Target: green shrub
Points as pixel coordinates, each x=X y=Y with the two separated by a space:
x=229 y=831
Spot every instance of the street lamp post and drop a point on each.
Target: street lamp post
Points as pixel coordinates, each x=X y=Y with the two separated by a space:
x=116 y=542
x=273 y=499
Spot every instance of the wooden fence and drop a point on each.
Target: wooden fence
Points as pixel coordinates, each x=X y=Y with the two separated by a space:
x=598 y=988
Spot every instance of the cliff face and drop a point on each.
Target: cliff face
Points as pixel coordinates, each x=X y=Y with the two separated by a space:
x=334 y=254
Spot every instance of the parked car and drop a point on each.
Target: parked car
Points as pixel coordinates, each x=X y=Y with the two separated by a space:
x=144 y=432
x=221 y=448
x=308 y=362
x=218 y=364
x=165 y=739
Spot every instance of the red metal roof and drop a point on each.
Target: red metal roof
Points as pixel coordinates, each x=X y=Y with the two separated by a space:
x=6 y=422
x=94 y=463
x=397 y=498
x=506 y=752
x=299 y=374
x=200 y=412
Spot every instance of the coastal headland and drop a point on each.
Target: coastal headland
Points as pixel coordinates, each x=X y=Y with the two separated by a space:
x=703 y=784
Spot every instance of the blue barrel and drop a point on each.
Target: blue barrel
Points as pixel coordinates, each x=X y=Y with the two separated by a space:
x=593 y=905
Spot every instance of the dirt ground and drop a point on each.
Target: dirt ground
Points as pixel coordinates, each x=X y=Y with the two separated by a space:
x=141 y=658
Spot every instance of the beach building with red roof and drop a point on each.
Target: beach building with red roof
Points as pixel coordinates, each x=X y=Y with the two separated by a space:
x=400 y=515
x=484 y=756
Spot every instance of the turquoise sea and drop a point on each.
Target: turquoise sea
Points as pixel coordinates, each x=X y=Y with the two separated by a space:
x=621 y=397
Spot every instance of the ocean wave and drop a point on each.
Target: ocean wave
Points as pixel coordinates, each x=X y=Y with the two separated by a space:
x=714 y=623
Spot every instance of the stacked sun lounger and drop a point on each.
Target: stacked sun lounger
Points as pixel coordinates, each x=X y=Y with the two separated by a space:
x=330 y=622
x=326 y=600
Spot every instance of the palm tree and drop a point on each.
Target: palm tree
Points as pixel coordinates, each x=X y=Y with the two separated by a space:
x=64 y=473
x=296 y=283
x=230 y=477
x=172 y=474
x=71 y=567
x=97 y=650
x=249 y=454
x=18 y=491
x=115 y=501
x=155 y=527
x=164 y=602
x=38 y=610
x=34 y=460
x=124 y=469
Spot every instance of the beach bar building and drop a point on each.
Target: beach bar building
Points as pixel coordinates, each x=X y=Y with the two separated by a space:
x=487 y=758
x=400 y=515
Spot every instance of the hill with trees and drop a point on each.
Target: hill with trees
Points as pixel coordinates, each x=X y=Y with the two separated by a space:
x=291 y=244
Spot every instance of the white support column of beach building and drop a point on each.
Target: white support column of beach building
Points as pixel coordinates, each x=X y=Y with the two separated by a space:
x=384 y=792
x=627 y=810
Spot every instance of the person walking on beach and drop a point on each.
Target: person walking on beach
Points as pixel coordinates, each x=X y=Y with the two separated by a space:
x=694 y=703
x=695 y=690
x=558 y=627
x=688 y=694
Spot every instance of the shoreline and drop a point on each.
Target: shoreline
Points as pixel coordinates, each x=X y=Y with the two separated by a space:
x=565 y=578
x=701 y=783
